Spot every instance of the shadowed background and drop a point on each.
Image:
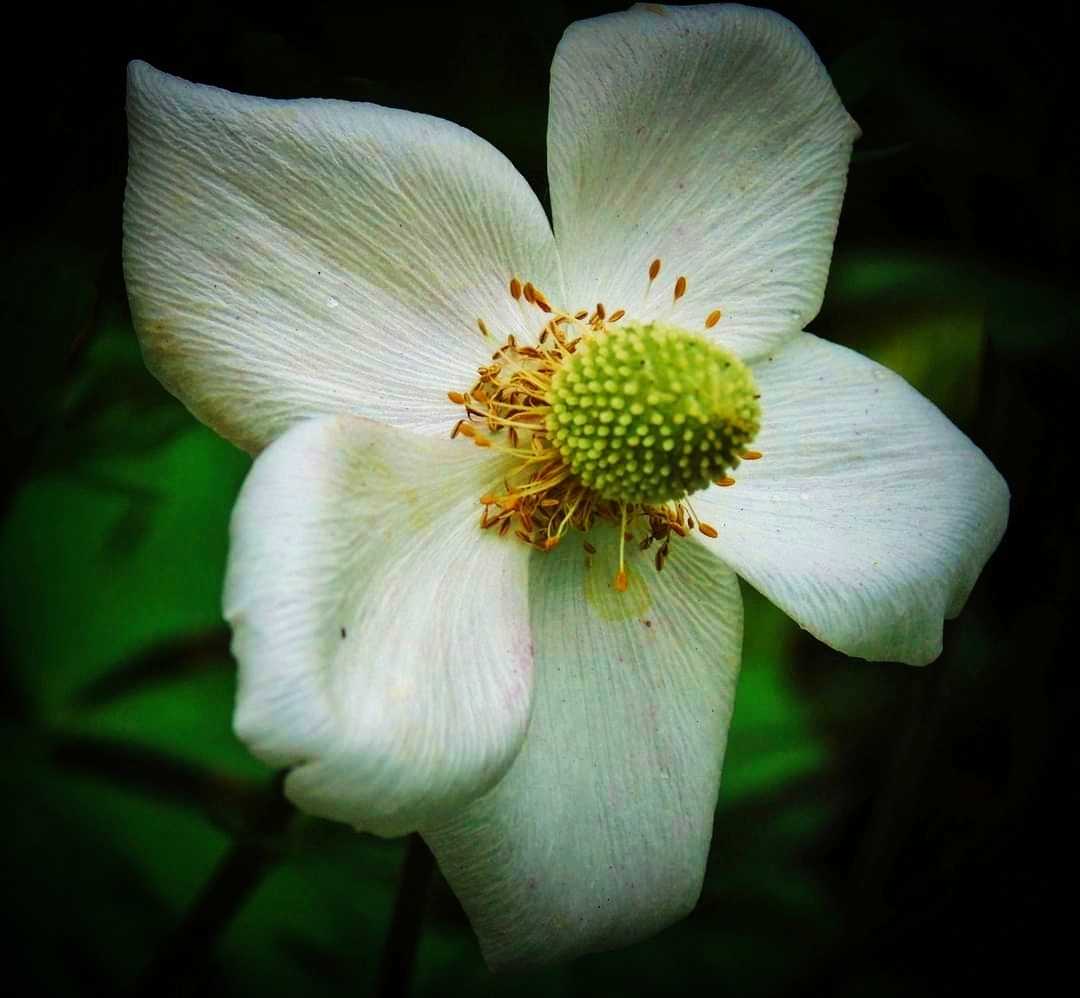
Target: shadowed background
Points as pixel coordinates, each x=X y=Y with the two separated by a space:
x=882 y=830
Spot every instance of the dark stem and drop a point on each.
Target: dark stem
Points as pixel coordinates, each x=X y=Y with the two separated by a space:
x=403 y=936
x=897 y=802
x=181 y=966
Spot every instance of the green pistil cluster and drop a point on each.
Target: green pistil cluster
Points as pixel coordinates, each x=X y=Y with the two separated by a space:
x=648 y=414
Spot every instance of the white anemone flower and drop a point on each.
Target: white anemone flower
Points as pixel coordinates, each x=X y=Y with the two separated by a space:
x=526 y=650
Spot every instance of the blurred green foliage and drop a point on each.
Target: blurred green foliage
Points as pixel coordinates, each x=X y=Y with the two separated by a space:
x=871 y=818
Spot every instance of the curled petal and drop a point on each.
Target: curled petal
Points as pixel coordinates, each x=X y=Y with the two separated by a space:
x=598 y=834
x=293 y=258
x=712 y=139
x=870 y=515
x=382 y=637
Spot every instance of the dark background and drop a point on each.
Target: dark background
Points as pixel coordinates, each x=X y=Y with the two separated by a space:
x=882 y=830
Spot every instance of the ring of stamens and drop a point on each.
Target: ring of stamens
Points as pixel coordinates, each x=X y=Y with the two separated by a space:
x=510 y=407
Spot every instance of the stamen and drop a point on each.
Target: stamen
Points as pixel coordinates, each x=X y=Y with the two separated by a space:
x=534 y=296
x=751 y=455
x=622 y=580
x=668 y=407
x=661 y=555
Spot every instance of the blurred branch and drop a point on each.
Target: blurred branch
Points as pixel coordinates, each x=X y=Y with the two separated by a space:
x=223 y=799
x=180 y=965
x=169 y=660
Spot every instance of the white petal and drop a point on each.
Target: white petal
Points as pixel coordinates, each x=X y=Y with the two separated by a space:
x=382 y=637
x=710 y=138
x=869 y=516
x=291 y=258
x=599 y=833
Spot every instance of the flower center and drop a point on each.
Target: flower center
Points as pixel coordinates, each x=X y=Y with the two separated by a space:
x=605 y=419
x=647 y=414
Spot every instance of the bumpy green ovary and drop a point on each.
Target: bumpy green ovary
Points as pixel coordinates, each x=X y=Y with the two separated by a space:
x=648 y=414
